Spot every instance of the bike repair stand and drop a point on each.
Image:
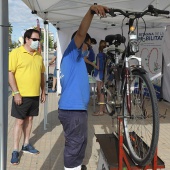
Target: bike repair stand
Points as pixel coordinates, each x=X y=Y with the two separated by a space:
x=114 y=156
x=122 y=156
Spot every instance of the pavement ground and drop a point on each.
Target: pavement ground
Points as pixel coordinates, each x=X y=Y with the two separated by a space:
x=50 y=142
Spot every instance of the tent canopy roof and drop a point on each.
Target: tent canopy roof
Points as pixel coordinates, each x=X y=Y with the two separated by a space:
x=69 y=13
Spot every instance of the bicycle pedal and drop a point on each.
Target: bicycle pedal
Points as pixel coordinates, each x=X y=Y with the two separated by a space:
x=112 y=113
x=103 y=91
x=118 y=105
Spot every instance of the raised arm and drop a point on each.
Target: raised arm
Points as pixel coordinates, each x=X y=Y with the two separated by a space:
x=52 y=60
x=85 y=23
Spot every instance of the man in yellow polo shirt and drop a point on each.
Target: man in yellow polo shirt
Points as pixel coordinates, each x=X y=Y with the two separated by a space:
x=26 y=78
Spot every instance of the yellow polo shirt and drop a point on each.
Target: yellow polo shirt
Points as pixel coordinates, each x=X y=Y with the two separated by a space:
x=27 y=70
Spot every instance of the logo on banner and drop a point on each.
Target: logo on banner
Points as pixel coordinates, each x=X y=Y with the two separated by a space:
x=151 y=36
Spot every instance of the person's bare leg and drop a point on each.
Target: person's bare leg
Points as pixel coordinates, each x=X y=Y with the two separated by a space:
x=18 y=128
x=54 y=83
x=98 y=91
x=27 y=129
x=101 y=108
x=100 y=100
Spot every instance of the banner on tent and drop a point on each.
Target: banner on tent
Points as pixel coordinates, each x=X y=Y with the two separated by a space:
x=151 y=54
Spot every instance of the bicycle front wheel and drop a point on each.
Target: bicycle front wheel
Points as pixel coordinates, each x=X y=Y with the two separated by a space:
x=141 y=126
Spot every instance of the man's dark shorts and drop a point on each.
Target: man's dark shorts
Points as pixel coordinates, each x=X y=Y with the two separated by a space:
x=29 y=107
x=75 y=130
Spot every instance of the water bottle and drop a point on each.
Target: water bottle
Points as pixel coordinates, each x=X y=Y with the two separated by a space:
x=133 y=41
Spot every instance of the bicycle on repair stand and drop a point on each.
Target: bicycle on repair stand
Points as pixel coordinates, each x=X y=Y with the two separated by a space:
x=129 y=92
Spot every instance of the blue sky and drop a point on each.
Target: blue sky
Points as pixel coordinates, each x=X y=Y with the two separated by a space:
x=21 y=19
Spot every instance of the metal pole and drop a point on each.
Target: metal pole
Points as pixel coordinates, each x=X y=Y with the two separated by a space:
x=46 y=66
x=45 y=53
x=47 y=70
x=4 y=28
x=59 y=56
x=45 y=43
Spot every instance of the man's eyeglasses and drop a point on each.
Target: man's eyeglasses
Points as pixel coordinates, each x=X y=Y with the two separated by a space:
x=35 y=39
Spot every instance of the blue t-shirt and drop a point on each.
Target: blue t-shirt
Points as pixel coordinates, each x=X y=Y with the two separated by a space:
x=55 y=53
x=75 y=92
x=91 y=56
x=101 y=58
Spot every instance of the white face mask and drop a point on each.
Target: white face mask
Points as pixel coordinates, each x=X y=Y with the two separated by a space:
x=34 y=45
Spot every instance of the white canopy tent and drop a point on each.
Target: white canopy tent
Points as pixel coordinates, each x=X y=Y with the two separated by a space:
x=69 y=13
x=66 y=16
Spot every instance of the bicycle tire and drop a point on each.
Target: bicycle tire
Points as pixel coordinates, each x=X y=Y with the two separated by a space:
x=108 y=88
x=141 y=130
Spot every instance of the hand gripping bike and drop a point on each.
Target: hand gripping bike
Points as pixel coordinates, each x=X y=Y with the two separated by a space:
x=129 y=92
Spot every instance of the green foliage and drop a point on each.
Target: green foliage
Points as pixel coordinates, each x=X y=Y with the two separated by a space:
x=42 y=38
x=9 y=36
x=13 y=45
x=50 y=42
x=10 y=29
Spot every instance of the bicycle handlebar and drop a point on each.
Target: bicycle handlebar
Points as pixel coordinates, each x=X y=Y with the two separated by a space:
x=134 y=15
x=158 y=11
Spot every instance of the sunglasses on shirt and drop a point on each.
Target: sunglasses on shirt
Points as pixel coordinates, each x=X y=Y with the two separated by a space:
x=35 y=39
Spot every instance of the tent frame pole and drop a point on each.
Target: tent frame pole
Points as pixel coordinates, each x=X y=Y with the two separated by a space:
x=4 y=34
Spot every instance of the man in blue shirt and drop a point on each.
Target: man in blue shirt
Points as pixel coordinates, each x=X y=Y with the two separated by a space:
x=75 y=94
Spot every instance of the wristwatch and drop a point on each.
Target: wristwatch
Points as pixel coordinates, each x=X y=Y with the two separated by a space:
x=16 y=92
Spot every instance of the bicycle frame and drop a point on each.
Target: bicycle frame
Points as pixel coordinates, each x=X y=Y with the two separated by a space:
x=127 y=76
x=126 y=69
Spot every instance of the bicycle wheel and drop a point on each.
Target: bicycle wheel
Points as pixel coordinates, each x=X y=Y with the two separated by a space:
x=109 y=88
x=141 y=129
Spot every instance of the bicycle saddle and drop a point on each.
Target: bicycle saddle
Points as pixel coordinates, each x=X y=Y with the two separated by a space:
x=112 y=48
x=115 y=39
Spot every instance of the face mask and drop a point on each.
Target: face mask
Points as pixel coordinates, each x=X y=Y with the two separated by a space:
x=85 y=53
x=34 y=45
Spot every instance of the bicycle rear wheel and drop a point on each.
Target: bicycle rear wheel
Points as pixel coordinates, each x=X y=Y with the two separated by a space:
x=141 y=126
x=109 y=88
